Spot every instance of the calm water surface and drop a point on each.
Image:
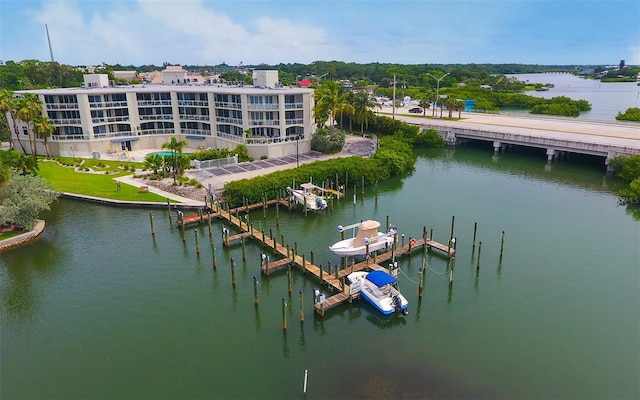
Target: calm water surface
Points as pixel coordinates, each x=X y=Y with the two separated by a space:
x=607 y=99
x=99 y=309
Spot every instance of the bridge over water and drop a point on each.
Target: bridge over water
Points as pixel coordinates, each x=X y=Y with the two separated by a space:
x=556 y=135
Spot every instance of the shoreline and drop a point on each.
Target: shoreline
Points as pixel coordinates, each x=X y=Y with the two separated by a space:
x=23 y=238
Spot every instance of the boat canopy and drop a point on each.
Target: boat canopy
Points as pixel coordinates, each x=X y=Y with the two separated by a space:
x=380 y=278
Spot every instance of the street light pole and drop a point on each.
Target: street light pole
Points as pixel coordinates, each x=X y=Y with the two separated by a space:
x=438 y=87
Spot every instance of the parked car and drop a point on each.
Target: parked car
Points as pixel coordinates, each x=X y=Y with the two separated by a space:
x=415 y=110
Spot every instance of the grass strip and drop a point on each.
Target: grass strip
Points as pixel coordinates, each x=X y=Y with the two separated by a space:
x=66 y=179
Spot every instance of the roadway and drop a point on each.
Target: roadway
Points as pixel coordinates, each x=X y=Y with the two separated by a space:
x=614 y=133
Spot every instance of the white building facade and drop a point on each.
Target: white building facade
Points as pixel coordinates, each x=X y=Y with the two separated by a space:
x=271 y=122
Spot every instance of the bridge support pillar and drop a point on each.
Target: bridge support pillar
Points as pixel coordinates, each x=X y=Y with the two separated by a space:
x=496 y=147
x=551 y=154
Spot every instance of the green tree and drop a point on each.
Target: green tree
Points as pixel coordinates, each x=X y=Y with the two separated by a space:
x=22 y=198
x=425 y=103
x=154 y=162
x=361 y=105
x=9 y=105
x=43 y=129
x=20 y=163
x=175 y=146
x=631 y=114
x=29 y=109
x=330 y=99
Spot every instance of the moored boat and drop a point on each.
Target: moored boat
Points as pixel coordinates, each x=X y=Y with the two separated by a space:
x=377 y=288
x=367 y=240
x=309 y=196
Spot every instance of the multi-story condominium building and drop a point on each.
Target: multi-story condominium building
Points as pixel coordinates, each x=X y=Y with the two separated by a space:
x=271 y=120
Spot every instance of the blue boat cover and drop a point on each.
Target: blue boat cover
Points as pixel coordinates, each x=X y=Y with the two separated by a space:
x=380 y=278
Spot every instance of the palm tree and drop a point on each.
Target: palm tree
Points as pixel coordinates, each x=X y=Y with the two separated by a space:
x=174 y=145
x=30 y=108
x=459 y=106
x=425 y=103
x=8 y=104
x=361 y=104
x=43 y=129
x=433 y=98
x=329 y=100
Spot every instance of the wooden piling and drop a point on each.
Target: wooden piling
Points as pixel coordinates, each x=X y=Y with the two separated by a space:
x=153 y=232
x=479 y=251
x=209 y=223
x=233 y=272
x=244 y=253
x=284 y=314
x=213 y=255
x=255 y=290
x=169 y=209
x=354 y=194
x=197 y=245
x=362 y=184
x=301 y=307
x=420 y=281
x=289 y=278
x=475 y=230
x=501 y=246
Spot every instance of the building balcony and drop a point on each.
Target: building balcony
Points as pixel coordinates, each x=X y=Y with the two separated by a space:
x=62 y=106
x=191 y=117
x=109 y=104
x=166 y=131
x=148 y=103
x=235 y=106
x=228 y=120
x=68 y=137
x=199 y=132
x=264 y=106
x=66 y=121
x=264 y=122
x=295 y=121
x=195 y=103
x=155 y=117
x=290 y=106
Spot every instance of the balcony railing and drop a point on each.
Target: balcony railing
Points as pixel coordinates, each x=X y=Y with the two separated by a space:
x=143 y=103
x=66 y=121
x=228 y=120
x=62 y=106
x=109 y=104
x=289 y=106
x=192 y=117
x=204 y=132
x=295 y=121
x=267 y=106
x=196 y=103
x=103 y=135
x=226 y=104
x=264 y=122
x=68 y=137
x=167 y=131
x=157 y=116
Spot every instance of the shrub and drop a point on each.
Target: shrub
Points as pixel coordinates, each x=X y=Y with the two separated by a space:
x=328 y=140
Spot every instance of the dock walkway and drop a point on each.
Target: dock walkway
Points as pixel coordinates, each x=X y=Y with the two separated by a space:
x=333 y=279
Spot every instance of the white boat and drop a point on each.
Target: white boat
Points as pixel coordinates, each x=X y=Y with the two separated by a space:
x=367 y=238
x=377 y=288
x=309 y=196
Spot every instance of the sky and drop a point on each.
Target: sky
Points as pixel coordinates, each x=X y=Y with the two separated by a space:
x=210 y=32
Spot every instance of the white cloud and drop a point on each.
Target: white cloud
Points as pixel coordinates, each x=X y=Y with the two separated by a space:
x=179 y=32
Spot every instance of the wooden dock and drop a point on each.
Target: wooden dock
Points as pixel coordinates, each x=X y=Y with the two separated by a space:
x=334 y=279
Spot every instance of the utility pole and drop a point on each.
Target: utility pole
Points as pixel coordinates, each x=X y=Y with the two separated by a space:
x=393 y=114
x=438 y=88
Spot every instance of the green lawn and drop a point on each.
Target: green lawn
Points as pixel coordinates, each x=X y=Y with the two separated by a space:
x=7 y=235
x=65 y=179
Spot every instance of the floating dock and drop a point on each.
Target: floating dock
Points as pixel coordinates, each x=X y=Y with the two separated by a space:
x=334 y=278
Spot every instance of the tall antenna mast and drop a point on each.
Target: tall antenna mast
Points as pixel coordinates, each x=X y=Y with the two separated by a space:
x=49 y=40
